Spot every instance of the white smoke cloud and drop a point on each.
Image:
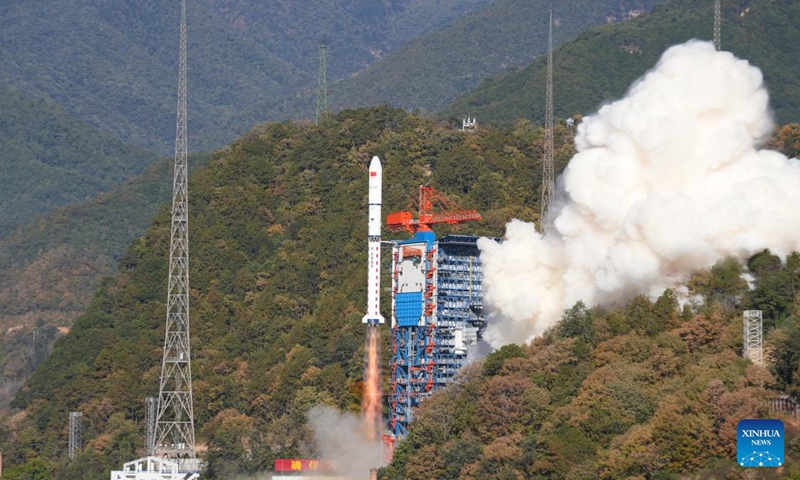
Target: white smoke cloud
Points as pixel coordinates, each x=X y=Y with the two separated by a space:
x=666 y=181
x=341 y=439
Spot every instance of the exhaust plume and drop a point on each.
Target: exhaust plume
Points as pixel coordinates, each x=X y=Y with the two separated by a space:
x=341 y=438
x=371 y=403
x=666 y=181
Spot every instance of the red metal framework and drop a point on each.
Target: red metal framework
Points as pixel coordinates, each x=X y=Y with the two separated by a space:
x=434 y=208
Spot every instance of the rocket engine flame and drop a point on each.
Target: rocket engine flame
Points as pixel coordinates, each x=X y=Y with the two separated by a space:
x=371 y=402
x=666 y=181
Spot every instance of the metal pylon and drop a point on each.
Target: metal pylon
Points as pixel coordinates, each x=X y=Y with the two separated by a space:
x=548 y=169
x=322 y=87
x=75 y=434
x=753 y=336
x=150 y=405
x=174 y=426
x=717 y=25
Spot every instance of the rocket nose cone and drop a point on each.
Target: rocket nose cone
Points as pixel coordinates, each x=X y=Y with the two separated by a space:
x=375 y=164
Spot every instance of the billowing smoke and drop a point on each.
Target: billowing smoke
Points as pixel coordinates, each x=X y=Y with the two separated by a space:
x=666 y=181
x=343 y=440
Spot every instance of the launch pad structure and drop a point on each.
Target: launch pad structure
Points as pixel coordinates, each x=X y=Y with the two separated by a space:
x=437 y=298
x=437 y=304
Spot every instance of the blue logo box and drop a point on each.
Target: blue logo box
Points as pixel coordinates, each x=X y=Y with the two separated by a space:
x=759 y=443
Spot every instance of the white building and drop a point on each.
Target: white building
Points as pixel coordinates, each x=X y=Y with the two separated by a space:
x=152 y=468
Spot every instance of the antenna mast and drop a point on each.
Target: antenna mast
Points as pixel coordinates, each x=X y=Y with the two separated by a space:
x=548 y=182
x=174 y=423
x=322 y=86
x=717 y=24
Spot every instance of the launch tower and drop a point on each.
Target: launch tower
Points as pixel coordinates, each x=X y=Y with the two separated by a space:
x=437 y=303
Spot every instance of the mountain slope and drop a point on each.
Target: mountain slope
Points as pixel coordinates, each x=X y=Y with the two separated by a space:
x=277 y=258
x=601 y=63
x=88 y=86
x=278 y=254
x=52 y=266
x=113 y=64
x=357 y=32
x=49 y=159
x=432 y=70
x=642 y=391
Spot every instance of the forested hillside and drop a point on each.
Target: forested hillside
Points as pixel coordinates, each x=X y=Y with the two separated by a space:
x=429 y=72
x=277 y=241
x=52 y=266
x=114 y=64
x=49 y=159
x=278 y=252
x=358 y=32
x=601 y=63
x=648 y=390
x=89 y=88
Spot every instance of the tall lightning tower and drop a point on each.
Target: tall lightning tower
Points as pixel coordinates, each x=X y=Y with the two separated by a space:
x=548 y=181
x=322 y=86
x=717 y=24
x=753 y=337
x=174 y=424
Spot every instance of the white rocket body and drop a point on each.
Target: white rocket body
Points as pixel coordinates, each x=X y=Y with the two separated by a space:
x=373 y=316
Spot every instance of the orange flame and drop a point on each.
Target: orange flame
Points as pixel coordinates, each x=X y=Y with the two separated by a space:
x=371 y=402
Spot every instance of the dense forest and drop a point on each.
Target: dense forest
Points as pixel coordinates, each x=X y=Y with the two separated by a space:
x=277 y=242
x=277 y=246
x=52 y=266
x=649 y=390
x=431 y=71
x=113 y=64
x=602 y=62
x=50 y=159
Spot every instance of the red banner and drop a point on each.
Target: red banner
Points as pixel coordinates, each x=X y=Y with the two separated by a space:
x=302 y=465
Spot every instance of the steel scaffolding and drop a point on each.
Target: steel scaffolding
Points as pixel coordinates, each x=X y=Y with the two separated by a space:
x=437 y=314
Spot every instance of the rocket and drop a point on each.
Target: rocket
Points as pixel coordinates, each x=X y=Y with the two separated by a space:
x=373 y=316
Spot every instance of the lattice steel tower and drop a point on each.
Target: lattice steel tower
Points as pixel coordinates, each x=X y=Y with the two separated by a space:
x=322 y=87
x=548 y=173
x=717 y=24
x=150 y=404
x=174 y=429
x=75 y=434
x=753 y=337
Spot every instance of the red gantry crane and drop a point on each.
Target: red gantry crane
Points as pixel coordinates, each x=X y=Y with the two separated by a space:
x=433 y=208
